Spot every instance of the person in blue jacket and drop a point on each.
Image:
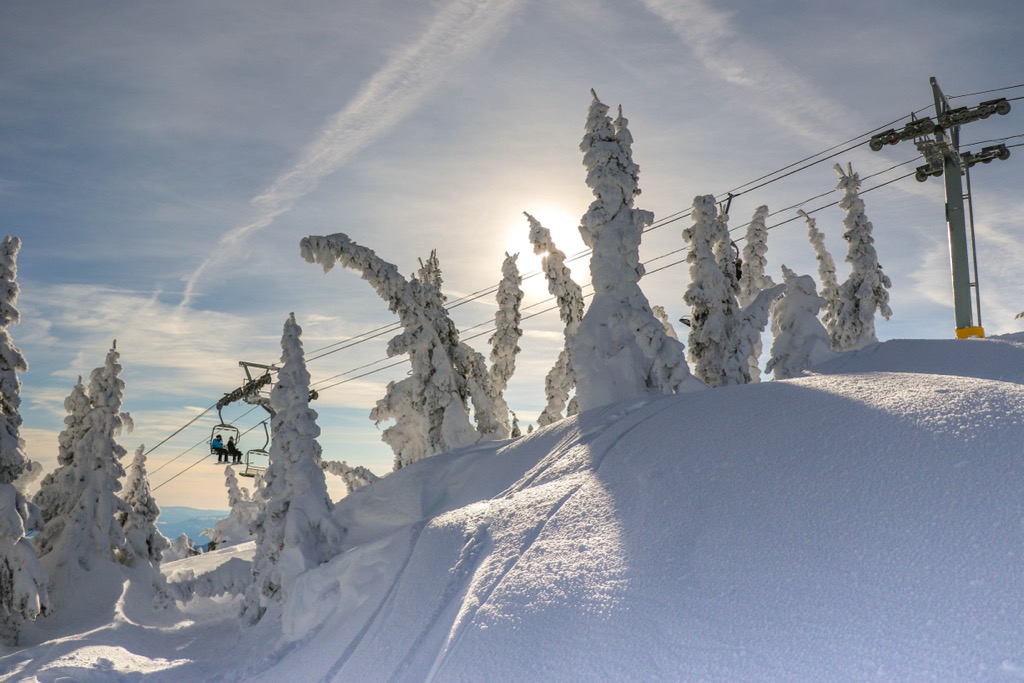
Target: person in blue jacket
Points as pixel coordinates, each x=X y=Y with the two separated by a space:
x=217 y=446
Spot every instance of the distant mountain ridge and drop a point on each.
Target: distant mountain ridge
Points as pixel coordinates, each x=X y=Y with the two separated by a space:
x=174 y=521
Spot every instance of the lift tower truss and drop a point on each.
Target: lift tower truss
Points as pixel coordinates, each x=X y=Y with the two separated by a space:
x=939 y=143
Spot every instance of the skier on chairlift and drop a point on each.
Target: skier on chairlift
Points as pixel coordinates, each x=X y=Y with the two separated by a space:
x=217 y=446
x=234 y=454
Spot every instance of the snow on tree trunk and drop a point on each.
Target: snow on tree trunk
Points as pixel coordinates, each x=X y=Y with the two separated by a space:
x=144 y=542
x=295 y=530
x=620 y=350
x=800 y=340
x=561 y=379
x=23 y=593
x=429 y=399
x=866 y=289
x=829 y=280
x=505 y=340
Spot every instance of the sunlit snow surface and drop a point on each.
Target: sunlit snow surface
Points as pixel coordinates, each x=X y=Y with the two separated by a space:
x=863 y=523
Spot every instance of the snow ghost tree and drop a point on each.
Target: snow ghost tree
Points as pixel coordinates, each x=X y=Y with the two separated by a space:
x=23 y=593
x=243 y=509
x=87 y=542
x=827 y=275
x=295 y=530
x=355 y=478
x=711 y=295
x=561 y=379
x=58 y=491
x=865 y=290
x=662 y=315
x=505 y=340
x=725 y=340
x=143 y=541
x=620 y=350
x=471 y=375
x=430 y=407
x=800 y=340
x=752 y=278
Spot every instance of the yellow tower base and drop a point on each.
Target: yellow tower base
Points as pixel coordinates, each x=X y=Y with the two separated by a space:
x=969 y=332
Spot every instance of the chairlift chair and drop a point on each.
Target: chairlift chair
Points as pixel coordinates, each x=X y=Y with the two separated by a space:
x=257 y=459
x=225 y=431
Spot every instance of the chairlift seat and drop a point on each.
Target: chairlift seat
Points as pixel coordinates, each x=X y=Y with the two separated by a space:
x=256 y=462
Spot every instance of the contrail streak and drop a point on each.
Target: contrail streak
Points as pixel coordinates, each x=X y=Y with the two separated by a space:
x=392 y=94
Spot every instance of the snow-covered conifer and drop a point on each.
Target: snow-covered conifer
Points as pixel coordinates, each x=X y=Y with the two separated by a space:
x=181 y=547
x=505 y=340
x=23 y=593
x=58 y=492
x=243 y=508
x=295 y=530
x=800 y=340
x=354 y=477
x=433 y=391
x=662 y=315
x=753 y=279
x=620 y=350
x=725 y=339
x=829 y=280
x=32 y=473
x=711 y=295
x=470 y=368
x=866 y=289
x=144 y=542
x=92 y=534
x=561 y=379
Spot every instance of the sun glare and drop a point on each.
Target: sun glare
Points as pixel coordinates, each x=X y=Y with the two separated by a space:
x=563 y=225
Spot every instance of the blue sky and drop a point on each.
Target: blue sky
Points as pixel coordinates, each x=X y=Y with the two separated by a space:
x=161 y=162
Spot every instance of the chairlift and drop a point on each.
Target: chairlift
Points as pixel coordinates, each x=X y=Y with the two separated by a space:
x=225 y=431
x=257 y=459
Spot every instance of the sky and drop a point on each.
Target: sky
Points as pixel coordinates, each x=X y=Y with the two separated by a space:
x=650 y=539
x=161 y=162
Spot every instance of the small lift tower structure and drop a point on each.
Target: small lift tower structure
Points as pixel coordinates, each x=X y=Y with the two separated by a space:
x=942 y=152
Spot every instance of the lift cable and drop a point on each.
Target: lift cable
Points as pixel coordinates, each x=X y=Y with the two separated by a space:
x=549 y=309
x=846 y=146
x=190 y=448
x=200 y=460
x=329 y=349
x=985 y=92
x=649 y=272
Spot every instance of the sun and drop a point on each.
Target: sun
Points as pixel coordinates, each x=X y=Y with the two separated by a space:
x=563 y=224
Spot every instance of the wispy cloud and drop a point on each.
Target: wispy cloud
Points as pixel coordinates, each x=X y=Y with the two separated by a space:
x=392 y=94
x=782 y=94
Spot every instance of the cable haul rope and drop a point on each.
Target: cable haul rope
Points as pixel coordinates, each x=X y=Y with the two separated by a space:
x=740 y=190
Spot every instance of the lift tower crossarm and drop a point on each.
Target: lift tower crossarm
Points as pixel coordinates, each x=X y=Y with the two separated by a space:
x=943 y=158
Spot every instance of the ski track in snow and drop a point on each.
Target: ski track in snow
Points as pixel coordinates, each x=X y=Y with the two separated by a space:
x=861 y=523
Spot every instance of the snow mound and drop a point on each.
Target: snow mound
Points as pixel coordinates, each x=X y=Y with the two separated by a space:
x=840 y=527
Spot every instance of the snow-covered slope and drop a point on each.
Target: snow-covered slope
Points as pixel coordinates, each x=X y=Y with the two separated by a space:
x=840 y=527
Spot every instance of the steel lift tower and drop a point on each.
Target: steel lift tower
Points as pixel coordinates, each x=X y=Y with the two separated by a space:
x=942 y=152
